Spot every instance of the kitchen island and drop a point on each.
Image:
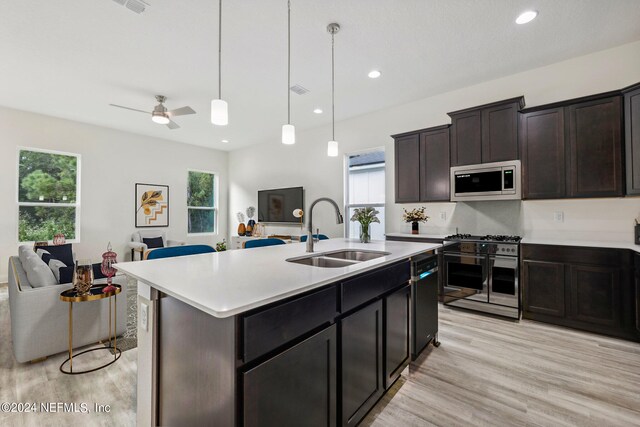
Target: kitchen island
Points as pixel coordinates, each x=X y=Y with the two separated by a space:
x=250 y=338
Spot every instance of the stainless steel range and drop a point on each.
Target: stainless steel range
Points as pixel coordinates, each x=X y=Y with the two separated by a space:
x=481 y=273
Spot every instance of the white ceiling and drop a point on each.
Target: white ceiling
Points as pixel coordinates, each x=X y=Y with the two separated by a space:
x=71 y=59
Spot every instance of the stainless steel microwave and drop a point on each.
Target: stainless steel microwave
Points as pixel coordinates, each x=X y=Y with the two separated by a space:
x=488 y=181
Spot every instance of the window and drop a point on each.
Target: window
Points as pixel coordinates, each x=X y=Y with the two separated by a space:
x=365 y=188
x=201 y=202
x=48 y=195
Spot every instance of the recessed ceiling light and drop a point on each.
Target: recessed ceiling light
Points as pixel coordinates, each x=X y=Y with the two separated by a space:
x=527 y=16
x=318 y=111
x=374 y=74
x=225 y=141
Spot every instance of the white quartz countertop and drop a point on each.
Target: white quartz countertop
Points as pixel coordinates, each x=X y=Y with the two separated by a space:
x=585 y=243
x=227 y=283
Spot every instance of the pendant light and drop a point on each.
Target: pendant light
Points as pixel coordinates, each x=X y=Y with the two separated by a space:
x=332 y=146
x=288 y=130
x=219 y=108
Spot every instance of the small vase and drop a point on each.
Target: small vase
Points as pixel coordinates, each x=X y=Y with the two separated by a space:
x=415 y=228
x=365 y=236
x=241 y=229
x=249 y=230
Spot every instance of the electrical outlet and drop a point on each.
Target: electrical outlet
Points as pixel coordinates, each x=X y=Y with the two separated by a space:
x=558 y=216
x=443 y=215
x=144 y=316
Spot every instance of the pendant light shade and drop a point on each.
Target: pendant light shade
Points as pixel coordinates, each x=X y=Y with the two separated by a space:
x=332 y=149
x=219 y=108
x=288 y=130
x=332 y=146
x=219 y=112
x=288 y=134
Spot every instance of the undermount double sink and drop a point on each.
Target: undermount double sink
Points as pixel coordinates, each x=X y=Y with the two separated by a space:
x=336 y=259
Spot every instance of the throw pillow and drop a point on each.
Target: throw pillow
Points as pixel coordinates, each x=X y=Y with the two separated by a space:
x=24 y=252
x=66 y=274
x=62 y=252
x=39 y=273
x=152 y=243
x=56 y=265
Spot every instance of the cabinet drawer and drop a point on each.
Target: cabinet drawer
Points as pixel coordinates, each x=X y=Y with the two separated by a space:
x=273 y=327
x=370 y=286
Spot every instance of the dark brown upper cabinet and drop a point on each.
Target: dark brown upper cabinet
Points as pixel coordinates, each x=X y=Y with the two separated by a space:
x=542 y=152
x=485 y=134
x=595 y=138
x=422 y=165
x=573 y=149
x=407 y=166
x=632 y=137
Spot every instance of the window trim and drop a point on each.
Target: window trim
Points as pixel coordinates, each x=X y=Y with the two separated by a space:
x=77 y=205
x=215 y=208
x=346 y=204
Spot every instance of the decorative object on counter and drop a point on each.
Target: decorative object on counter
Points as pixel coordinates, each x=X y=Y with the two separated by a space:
x=221 y=246
x=251 y=211
x=415 y=216
x=365 y=216
x=241 y=228
x=258 y=230
x=299 y=213
x=152 y=205
x=109 y=258
x=83 y=277
x=59 y=239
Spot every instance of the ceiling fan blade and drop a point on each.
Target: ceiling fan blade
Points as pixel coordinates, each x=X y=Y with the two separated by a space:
x=132 y=109
x=181 y=111
x=173 y=125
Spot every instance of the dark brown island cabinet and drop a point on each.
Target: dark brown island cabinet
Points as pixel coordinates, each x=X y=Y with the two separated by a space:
x=485 y=134
x=592 y=289
x=319 y=359
x=573 y=149
x=422 y=165
x=632 y=137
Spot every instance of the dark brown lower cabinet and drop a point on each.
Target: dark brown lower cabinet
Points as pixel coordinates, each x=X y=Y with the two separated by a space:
x=396 y=332
x=544 y=290
x=584 y=288
x=296 y=387
x=362 y=377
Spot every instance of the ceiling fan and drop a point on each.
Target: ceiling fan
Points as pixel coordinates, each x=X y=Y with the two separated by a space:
x=160 y=114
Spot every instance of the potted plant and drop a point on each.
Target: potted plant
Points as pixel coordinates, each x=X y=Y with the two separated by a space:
x=415 y=216
x=250 y=223
x=221 y=246
x=365 y=216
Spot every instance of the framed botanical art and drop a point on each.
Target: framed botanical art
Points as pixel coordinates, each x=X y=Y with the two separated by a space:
x=152 y=205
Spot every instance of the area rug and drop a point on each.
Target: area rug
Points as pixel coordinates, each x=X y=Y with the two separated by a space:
x=129 y=339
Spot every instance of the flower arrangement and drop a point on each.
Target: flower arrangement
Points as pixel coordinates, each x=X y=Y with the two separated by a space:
x=251 y=211
x=415 y=215
x=240 y=217
x=221 y=246
x=365 y=216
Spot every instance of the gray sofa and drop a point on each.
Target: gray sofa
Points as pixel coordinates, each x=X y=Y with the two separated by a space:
x=39 y=320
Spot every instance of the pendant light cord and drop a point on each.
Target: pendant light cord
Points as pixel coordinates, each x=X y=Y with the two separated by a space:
x=289 y=62
x=220 y=50
x=333 y=107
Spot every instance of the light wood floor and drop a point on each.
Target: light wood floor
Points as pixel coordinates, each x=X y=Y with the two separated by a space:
x=486 y=372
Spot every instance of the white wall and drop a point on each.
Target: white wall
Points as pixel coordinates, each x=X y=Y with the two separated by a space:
x=272 y=165
x=112 y=162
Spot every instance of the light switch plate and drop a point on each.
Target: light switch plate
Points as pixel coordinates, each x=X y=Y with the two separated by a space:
x=144 y=316
x=558 y=216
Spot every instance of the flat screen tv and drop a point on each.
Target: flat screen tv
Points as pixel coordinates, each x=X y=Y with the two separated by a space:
x=278 y=205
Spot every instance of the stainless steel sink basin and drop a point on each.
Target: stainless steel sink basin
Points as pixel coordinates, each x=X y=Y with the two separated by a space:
x=321 y=261
x=336 y=259
x=355 y=255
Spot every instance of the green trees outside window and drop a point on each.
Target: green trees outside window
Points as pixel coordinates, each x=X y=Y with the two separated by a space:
x=47 y=195
x=201 y=202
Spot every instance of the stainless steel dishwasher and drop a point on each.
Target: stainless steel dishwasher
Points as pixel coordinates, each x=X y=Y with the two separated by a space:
x=424 y=297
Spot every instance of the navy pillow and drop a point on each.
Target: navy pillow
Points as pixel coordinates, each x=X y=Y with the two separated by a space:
x=155 y=242
x=66 y=274
x=62 y=252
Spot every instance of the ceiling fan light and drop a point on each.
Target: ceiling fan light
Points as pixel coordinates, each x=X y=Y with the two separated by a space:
x=288 y=134
x=332 y=149
x=219 y=112
x=160 y=118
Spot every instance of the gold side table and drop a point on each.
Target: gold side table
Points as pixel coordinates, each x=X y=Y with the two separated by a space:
x=95 y=293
